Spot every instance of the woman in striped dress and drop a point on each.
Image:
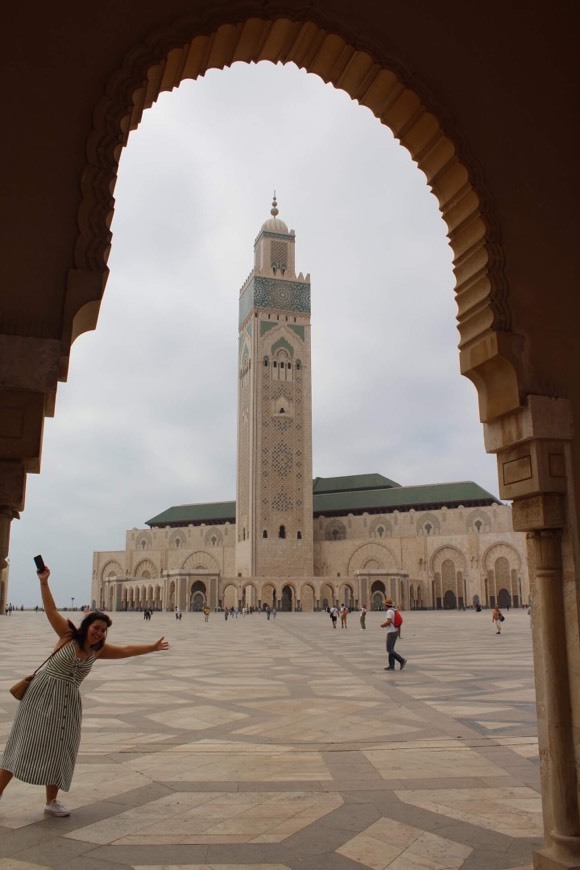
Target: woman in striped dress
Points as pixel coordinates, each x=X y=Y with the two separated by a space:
x=44 y=741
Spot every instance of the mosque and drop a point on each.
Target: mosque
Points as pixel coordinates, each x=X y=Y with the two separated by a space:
x=298 y=543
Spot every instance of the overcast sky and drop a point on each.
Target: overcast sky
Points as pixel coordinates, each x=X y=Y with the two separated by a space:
x=147 y=418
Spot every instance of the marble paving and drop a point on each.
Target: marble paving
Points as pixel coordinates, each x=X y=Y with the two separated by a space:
x=284 y=745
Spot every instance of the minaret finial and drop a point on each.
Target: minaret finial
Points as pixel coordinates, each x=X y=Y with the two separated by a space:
x=274 y=209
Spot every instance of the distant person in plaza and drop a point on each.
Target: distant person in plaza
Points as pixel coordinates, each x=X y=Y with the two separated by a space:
x=497 y=618
x=44 y=740
x=343 y=616
x=392 y=637
x=206 y=613
x=334 y=615
x=363 y=618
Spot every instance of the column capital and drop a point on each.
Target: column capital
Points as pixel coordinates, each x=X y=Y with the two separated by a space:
x=530 y=444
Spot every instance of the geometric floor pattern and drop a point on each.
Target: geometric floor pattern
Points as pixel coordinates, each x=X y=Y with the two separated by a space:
x=283 y=744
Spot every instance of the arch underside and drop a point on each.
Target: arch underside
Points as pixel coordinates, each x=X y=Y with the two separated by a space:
x=489 y=352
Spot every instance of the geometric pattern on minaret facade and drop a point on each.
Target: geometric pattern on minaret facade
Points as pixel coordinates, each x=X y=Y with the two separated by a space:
x=274 y=528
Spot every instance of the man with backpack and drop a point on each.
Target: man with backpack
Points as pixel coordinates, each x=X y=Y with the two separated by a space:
x=393 y=624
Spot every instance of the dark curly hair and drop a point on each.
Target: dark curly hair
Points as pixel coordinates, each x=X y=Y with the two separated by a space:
x=80 y=634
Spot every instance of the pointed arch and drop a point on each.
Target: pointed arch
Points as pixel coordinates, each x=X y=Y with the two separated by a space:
x=489 y=353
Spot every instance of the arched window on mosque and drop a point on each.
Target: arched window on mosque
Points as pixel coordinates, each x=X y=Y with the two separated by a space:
x=478 y=525
x=265 y=533
x=282 y=532
x=299 y=535
x=428 y=528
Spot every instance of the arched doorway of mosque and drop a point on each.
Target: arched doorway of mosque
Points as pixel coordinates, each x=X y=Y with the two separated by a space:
x=449 y=600
x=347 y=596
x=171 y=596
x=378 y=594
x=230 y=596
x=307 y=598
x=504 y=598
x=287 y=603
x=269 y=596
x=250 y=596
x=197 y=596
x=326 y=596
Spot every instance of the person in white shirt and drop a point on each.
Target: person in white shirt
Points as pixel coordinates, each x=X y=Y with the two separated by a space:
x=392 y=637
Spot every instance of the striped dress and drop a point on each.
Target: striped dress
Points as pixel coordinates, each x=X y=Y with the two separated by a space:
x=44 y=741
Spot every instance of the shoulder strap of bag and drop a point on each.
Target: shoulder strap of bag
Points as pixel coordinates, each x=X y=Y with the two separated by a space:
x=54 y=652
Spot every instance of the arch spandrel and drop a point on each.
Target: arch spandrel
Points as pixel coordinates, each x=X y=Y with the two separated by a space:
x=489 y=352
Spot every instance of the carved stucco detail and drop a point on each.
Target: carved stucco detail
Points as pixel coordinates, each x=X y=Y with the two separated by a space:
x=497 y=551
x=451 y=553
x=368 y=552
x=202 y=560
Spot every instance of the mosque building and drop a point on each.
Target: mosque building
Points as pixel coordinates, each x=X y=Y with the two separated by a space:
x=301 y=544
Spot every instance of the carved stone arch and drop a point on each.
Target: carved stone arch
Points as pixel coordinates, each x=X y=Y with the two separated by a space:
x=200 y=559
x=428 y=524
x=378 y=524
x=282 y=346
x=335 y=530
x=447 y=552
x=144 y=540
x=479 y=515
x=111 y=569
x=490 y=355
x=213 y=537
x=496 y=551
x=146 y=568
x=177 y=538
x=380 y=554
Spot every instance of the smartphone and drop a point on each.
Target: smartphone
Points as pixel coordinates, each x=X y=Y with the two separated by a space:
x=40 y=566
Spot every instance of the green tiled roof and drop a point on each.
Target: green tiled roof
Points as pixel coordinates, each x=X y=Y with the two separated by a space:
x=433 y=496
x=351 y=483
x=184 y=514
x=356 y=495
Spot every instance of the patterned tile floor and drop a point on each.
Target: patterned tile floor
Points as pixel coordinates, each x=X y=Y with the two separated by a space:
x=283 y=744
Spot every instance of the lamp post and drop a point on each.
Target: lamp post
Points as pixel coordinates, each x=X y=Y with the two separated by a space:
x=72 y=602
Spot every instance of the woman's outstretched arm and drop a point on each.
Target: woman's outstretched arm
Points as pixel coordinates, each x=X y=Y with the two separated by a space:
x=57 y=621
x=134 y=649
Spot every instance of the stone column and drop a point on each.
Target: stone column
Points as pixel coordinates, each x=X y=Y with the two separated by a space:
x=533 y=462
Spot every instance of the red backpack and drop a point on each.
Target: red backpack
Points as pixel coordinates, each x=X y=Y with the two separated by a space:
x=398 y=620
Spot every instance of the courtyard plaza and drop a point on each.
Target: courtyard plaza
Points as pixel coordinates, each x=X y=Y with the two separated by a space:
x=283 y=744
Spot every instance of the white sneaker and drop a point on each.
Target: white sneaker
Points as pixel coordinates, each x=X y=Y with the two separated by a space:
x=55 y=808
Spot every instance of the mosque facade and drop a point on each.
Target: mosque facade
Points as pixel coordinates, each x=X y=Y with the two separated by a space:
x=300 y=544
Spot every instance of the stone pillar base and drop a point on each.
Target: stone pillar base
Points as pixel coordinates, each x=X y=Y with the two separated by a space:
x=547 y=859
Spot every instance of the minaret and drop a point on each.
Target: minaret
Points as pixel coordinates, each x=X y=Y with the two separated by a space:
x=274 y=487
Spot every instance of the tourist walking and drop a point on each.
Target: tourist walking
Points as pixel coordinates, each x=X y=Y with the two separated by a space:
x=392 y=637
x=44 y=740
x=343 y=616
x=497 y=618
x=363 y=618
x=333 y=615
